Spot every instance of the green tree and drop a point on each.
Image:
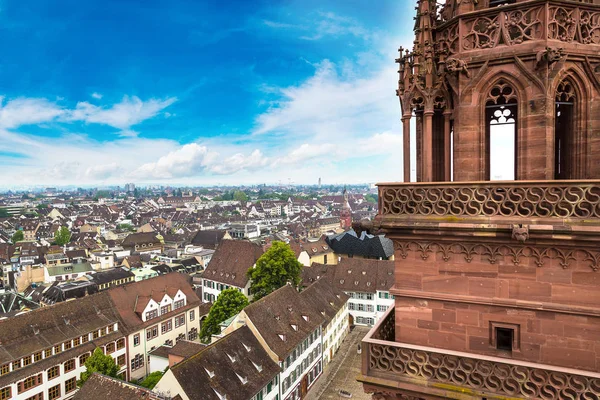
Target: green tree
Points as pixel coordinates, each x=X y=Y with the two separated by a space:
x=101 y=363
x=238 y=195
x=151 y=380
x=17 y=237
x=229 y=303
x=62 y=236
x=274 y=269
x=371 y=198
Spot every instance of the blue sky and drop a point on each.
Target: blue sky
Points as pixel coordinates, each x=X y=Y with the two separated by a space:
x=200 y=92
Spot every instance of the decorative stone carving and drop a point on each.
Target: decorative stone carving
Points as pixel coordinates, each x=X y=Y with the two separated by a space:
x=456 y=65
x=550 y=56
x=493 y=253
x=520 y=232
x=565 y=92
x=486 y=377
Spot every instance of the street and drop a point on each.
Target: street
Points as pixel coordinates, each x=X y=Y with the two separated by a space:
x=342 y=371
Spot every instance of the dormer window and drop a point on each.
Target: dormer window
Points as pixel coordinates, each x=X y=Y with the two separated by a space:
x=179 y=304
x=364 y=272
x=211 y=374
x=231 y=358
x=221 y=396
x=290 y=309
x=294 y=327
x=282 y=337
x=305 y=317
x=356 y=283
x=258 y=367
x=242 y=379
x=342 y=281
x=248 y=348
x=349 y=271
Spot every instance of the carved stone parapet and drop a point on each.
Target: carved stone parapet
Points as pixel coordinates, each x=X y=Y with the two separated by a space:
x=480 y=376
x=552 y=199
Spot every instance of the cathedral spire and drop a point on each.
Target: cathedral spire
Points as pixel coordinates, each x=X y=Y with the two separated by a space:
x=423 y=44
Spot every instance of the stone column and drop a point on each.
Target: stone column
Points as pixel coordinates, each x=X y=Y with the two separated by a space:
x=447 y=164
x=427 y=174
x=419 y=135
x=406 y=146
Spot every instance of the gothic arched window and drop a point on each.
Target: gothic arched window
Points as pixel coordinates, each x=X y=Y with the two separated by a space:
x=564 y=129
x=501 y=132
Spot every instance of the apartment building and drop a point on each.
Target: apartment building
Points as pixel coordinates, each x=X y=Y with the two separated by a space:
x=43 y=352
x=228 y=268
x=157 y=311
x=235 y=367
x=366 y=281
x=291 y=331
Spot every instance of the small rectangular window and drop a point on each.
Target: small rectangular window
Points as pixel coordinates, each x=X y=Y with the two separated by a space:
x=504 y=338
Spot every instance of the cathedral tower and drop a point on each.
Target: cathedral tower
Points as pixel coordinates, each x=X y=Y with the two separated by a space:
x=497 y=246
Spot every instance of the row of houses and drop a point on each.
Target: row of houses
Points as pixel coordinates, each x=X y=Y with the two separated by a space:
x=276 y=348
x=366 y=280
x=43 y=352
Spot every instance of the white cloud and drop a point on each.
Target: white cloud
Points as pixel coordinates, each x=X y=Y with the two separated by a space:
x=129 y=112
x=325 y=24
x=27 y=111
x=307 y=152
x=189 y=160
x=100 y=172
x=238 y=162
x=275 y=24
x=96 y=95
x=328 y=106
x=331 y=24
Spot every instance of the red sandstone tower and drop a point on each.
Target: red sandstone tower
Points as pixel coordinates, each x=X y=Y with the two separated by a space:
x=346 y=213
x=497 y=282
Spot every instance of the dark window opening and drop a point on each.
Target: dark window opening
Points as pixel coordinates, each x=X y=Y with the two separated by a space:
x=504 y=339
x=564 y=130
x=562 y=127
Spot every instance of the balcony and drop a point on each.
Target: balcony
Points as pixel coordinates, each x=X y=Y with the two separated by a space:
x=565 y=203
x=426 y=372
x=564 y=22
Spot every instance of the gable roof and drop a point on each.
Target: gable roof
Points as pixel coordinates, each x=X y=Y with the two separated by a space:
x=325 y=298
x=231 y=261
x=140 y=238
x=39 y=329
x=209 y=239
x=235 y=366
x=126 y=297
x=353 y=275
x=102 y=387
x=275 y=315
x=366 y=245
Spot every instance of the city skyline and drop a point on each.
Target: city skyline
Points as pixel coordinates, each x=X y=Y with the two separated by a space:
x=191 y=94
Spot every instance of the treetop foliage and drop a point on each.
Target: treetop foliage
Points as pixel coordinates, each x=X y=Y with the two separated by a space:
x=229 y=303
x=274 y=269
